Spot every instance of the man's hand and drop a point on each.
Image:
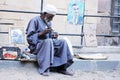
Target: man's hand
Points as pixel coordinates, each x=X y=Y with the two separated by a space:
x=55 y=35
x=47 y=30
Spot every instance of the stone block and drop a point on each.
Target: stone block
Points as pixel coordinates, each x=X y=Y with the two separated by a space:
x=107 y=65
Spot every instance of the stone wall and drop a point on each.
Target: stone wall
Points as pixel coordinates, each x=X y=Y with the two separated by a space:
x=60 y=24
x=103 y=24
x=21 y=19
x=9 y=20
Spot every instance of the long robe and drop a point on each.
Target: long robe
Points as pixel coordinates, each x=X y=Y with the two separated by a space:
x=50 y=52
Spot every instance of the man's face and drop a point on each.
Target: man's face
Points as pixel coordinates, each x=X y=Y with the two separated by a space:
x=48 y=17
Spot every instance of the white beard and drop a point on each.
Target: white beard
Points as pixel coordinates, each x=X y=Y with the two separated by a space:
x=46 y=20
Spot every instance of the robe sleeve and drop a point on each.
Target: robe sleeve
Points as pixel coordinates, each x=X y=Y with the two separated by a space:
x=31 y=32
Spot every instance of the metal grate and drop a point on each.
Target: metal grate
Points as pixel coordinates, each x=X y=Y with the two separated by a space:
x=115 y=22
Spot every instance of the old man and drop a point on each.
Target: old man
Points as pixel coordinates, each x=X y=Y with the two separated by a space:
x=51 y=52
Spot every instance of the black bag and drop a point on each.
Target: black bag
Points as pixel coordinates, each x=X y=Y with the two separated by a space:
x=11 y=53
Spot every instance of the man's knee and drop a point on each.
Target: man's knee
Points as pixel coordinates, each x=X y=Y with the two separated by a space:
x=64 y=41
x=48 y=41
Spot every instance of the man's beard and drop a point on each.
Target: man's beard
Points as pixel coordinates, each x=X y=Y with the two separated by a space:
x=46 y=20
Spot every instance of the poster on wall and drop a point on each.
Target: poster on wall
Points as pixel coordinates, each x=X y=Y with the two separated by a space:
x=16 y=36
x=90 y=35
x=75 y=12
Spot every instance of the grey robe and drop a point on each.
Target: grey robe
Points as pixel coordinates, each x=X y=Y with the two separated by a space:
x=50 y=52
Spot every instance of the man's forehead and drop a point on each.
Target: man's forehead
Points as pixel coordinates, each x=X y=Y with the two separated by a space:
x=50 y=15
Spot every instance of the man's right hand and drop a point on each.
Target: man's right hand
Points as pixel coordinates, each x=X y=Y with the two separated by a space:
x=47 y=30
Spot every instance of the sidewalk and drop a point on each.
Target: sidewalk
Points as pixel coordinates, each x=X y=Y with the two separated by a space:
x=14 y=70
x=32 y=74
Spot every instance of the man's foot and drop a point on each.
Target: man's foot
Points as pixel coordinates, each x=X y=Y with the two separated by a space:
x=53 y=69
x=66 y=72
x=46 y=73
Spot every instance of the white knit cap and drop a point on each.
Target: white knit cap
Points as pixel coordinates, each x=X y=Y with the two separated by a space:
x=50 y=9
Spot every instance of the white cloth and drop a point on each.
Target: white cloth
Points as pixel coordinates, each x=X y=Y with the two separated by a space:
x=50 y=9
x=69 y=45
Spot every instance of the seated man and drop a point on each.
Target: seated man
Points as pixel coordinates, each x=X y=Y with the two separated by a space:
x=51 y=52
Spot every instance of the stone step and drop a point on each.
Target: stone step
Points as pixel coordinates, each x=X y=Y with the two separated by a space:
x=99 y=49
x=95 y=65
x=83 y=65
x=111 y=63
